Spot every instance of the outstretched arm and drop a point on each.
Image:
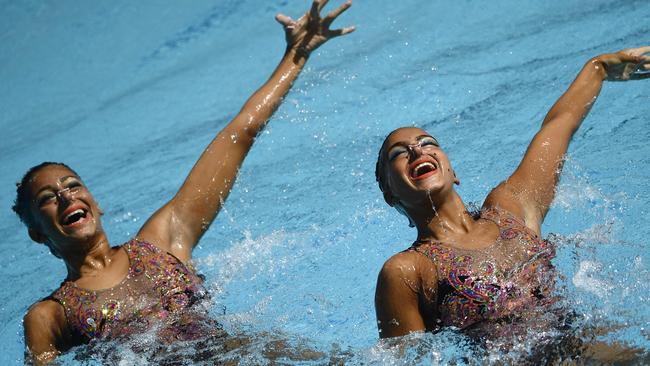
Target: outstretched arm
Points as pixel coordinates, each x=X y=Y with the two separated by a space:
x=530 y=189
x=178 y=225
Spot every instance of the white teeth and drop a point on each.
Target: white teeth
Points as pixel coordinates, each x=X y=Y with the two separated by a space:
x=424 y=164
x=78 y=211
x=416 y=169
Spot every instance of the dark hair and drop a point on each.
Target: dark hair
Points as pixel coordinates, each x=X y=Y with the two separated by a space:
x=21 y=203
x=380 y=170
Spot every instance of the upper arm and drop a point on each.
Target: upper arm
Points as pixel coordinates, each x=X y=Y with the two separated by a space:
x=45 y=331
x=404 y=300
x=179 y=224
x=529 y=191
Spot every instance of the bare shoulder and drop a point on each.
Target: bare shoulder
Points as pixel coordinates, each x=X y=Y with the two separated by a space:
x=408 y=265
x=44 y=312
x=160 y=231
x=45 y=331
x=405 y=295
x=507 y=197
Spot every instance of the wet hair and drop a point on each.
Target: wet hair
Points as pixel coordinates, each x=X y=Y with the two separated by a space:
x=21 y=203
x=380 y=176
x=380 y=170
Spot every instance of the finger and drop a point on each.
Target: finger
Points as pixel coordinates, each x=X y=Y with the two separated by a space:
x=637 y=51
x=628 y=57
x=342 y=31
x=315 y=8
x=643 y=50
x=284 y=20
x=336 y=12
x=322 y=4
x=640 y=76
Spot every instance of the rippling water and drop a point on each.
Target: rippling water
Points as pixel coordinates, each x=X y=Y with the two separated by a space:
x=129 y=93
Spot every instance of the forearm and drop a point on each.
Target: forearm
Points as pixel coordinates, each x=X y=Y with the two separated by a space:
x=530 y=189
x=181 y=222
x=227 y=151
x=576 y=102
x=212 y=177
x=259 y=108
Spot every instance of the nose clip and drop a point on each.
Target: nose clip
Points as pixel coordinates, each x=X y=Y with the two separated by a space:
x=411 y=147
x=60 y=193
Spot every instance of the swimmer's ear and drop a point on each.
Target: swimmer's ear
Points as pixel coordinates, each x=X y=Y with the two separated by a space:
x=456 y=180
x=37 y=236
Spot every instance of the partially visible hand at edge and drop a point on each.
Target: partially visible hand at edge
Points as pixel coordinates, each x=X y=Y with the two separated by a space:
x=310 y=31
x=627 y=64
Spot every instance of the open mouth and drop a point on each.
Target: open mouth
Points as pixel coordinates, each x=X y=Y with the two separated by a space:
x=74 y=217
x=423 y=170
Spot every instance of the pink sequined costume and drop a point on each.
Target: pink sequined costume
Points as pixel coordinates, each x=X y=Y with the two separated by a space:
x=511 y=276
x=158 y=291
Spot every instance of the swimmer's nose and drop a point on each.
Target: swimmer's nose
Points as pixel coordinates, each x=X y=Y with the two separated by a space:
x=64 y=194
x=414 y=150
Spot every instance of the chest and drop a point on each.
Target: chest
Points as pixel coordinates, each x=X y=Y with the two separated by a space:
x=156 y=286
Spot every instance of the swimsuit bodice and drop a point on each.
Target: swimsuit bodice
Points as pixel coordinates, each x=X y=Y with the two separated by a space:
x=157 y=286
x=511 y=275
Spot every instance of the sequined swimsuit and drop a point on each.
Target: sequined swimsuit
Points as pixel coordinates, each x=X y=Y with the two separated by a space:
x=511 y=276
x=158 y=289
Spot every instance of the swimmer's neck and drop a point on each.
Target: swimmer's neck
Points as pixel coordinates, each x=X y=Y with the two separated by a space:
x=448 y=219
x=90 y=257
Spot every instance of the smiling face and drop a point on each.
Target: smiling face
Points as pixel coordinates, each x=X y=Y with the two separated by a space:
x=62 y=209
x=414 y=168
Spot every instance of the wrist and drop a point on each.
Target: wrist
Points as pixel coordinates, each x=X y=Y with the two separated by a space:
x=298 y=56
x=598 y=66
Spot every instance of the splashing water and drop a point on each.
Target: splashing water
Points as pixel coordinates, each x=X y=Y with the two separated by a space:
x=292 y=259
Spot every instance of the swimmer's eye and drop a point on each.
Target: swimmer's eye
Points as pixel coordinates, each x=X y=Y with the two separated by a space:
x=74 y=186
x=429 y=141
x=45 y=199
x=395 y=152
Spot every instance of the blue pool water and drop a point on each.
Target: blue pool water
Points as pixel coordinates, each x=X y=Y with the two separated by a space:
x=129 y=93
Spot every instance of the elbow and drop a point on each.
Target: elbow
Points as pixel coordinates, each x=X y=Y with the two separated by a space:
x=244 y=130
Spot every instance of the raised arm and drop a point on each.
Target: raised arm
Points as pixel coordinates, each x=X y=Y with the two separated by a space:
x=529 y=191
x=178 y=225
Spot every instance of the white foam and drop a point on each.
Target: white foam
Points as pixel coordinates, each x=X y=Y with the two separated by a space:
x=586 y=279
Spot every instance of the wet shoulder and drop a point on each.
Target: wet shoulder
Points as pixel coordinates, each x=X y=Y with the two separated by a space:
x=44 y=318
x=409 y=265
x=44 y=311
x=513 y=229
x=142 y=249
x=509 y=224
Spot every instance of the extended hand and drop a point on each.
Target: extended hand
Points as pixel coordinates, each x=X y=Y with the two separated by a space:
x=310 y=31
x=628 y=64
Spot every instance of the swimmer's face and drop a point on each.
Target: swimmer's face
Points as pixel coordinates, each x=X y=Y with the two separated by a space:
x=414 y=166
x=63 y=209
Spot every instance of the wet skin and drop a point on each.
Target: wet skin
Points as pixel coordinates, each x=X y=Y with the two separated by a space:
x=404 y=151
x=64 y=211
x=67 y=218
x=419 y=180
